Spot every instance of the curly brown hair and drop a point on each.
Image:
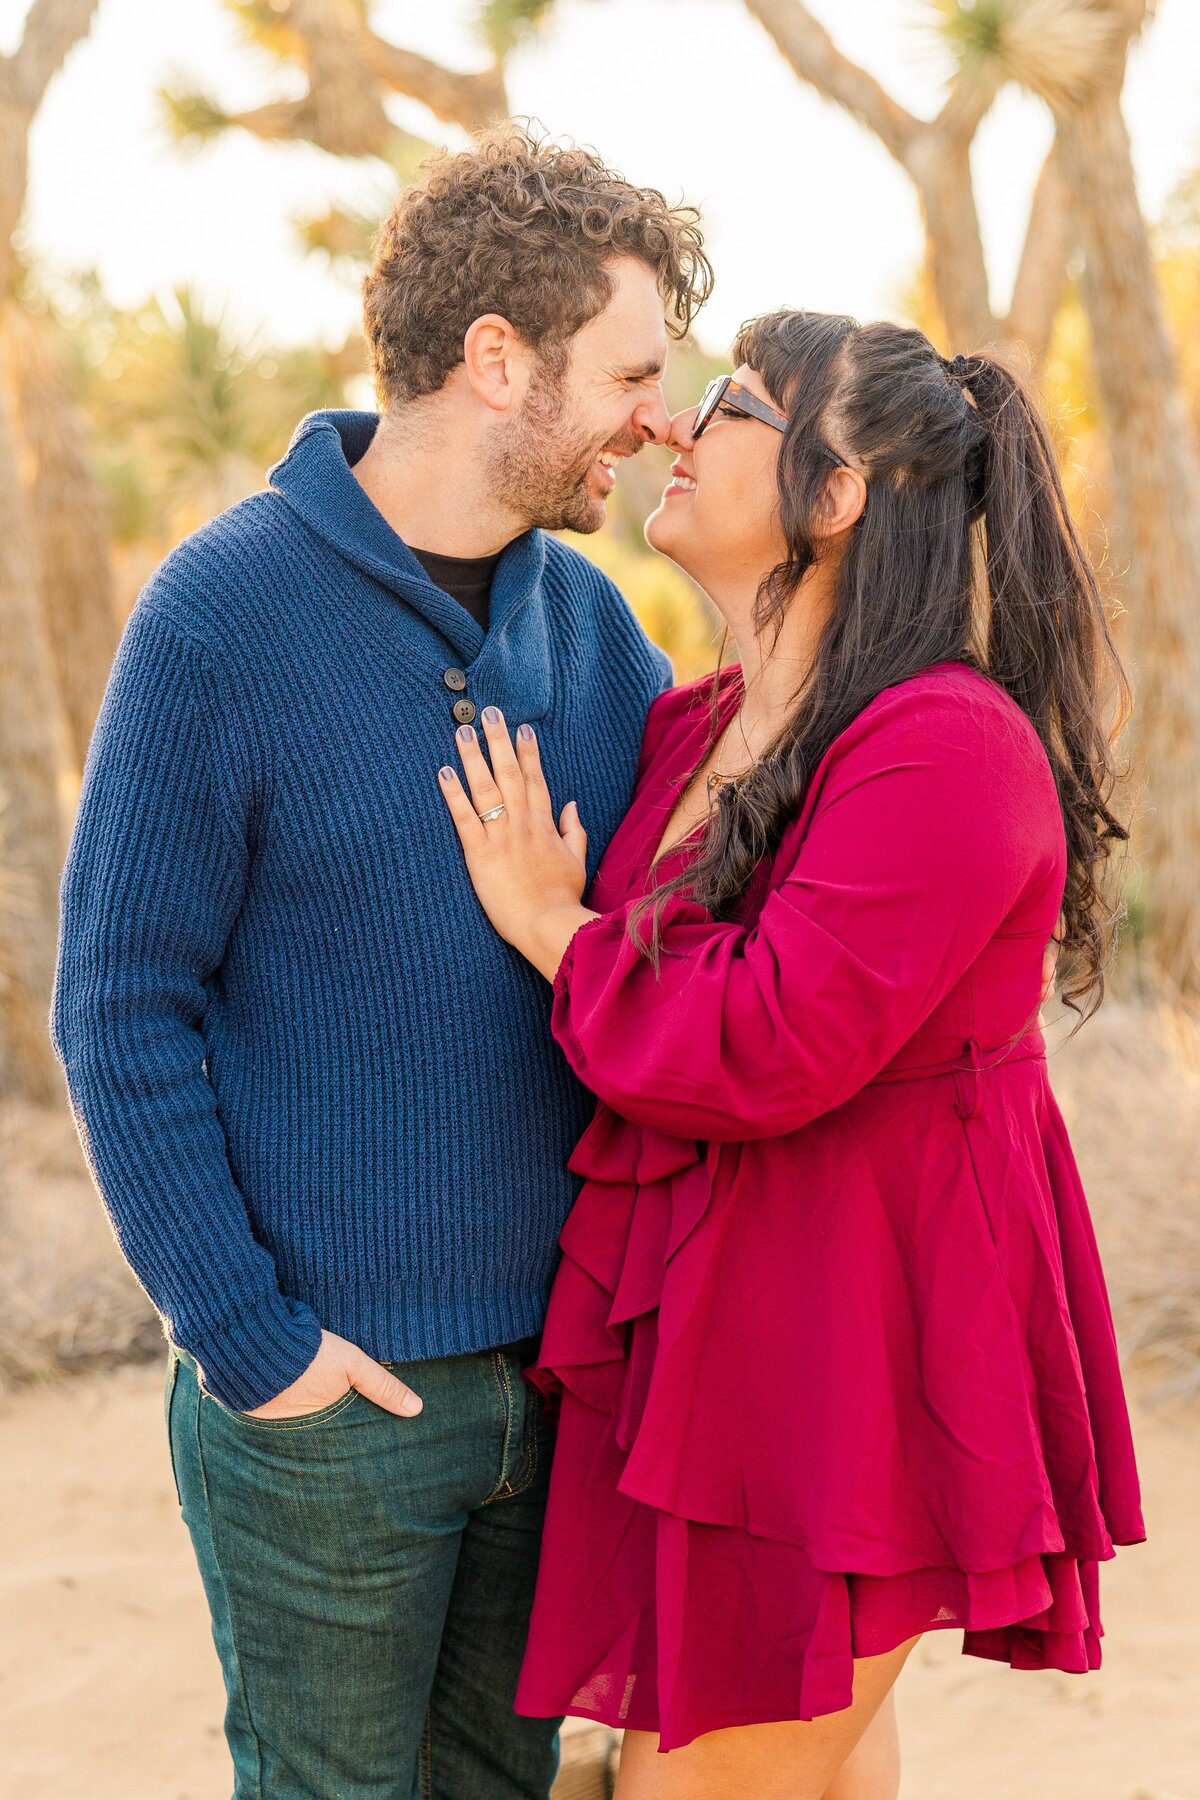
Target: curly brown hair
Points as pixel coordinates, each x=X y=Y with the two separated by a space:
x=526 y=227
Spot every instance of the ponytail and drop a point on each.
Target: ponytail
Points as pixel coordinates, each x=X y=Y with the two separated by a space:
x=1049 y=646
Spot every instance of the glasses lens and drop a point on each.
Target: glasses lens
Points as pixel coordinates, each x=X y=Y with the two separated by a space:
x=710 y=400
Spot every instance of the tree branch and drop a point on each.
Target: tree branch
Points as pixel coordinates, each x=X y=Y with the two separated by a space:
x=815 y=58
x=368 y=132
x=1042 y=272
x=971 y=94
x=471 y=101
x=52 y=29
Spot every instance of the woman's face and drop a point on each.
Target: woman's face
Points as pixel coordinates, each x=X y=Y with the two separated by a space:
x=719 y=514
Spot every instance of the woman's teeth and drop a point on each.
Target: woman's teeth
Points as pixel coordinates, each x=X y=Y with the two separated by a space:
x=685 y=482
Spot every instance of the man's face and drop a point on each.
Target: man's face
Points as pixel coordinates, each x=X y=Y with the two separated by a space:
x=545 y=460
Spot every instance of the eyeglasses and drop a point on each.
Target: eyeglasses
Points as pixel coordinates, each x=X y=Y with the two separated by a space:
x=727 y=395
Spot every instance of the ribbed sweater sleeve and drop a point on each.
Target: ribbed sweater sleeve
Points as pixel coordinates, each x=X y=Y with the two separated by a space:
x=153 y=883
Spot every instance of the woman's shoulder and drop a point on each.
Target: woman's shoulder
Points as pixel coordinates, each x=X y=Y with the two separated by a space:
x=678 y=711
x=952 y=704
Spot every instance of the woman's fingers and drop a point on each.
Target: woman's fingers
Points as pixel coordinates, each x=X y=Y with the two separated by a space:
x=537 y=794
x=472 y=832
x=506 y=771
x=570 y=827
x=513 y=778
x=481 y=783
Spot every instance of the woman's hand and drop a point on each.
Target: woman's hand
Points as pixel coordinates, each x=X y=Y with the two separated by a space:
x=1050 y=968
x=528 y=871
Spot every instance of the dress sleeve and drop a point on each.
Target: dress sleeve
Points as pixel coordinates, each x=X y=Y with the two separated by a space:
x=929 y=827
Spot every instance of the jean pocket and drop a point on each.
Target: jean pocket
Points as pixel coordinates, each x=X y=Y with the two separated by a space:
x=537 y=1442
x=302 y=1422
x=168 y=1408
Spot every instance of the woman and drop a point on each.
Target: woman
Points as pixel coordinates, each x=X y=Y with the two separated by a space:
x=832 y=1345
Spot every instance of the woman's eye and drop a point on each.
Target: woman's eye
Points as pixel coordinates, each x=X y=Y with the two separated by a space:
x=730 y=412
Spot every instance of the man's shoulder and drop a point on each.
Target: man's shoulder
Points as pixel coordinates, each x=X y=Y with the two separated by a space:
x=206 y=584
x=590 y=605
x=576 y=575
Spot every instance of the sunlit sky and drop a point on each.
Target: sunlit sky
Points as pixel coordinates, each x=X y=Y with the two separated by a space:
x=802 y=205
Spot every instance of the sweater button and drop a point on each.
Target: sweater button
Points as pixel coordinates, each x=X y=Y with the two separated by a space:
x=455 y=680
x=464 y=711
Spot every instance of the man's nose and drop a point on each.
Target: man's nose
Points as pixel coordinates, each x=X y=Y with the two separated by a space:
x=652 y=421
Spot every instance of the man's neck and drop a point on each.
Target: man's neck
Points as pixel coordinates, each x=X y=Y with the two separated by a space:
x=429 y=486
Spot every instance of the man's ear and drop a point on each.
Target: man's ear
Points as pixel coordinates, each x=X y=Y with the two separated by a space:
x=494 y=362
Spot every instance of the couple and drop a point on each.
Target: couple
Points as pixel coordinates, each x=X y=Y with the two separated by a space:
x=355 y=1045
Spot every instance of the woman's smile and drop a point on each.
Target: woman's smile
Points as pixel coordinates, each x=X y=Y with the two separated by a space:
x=680 y=482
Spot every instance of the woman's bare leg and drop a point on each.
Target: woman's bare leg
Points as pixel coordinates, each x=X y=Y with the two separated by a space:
x=789 y=1761
x=872 y=1769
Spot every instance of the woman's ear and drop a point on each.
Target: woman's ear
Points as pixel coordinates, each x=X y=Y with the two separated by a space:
x=845 y=498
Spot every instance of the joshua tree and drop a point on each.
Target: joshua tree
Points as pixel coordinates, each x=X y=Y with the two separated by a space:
x=1072 y=54
x=33 y=741
x=349 y=73
x=1075 y=60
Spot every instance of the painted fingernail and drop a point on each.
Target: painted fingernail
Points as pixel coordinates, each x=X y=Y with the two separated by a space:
x=445 y=774
x=525 y=731
x=491 y=715
x=466 y=734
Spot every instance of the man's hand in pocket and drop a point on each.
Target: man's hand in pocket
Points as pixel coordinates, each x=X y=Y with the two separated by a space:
x=337 y=1367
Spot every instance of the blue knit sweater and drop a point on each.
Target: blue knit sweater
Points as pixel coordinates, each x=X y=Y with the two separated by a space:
x=314 y=1087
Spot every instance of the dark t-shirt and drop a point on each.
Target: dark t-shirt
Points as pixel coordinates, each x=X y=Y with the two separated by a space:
x=467 y=579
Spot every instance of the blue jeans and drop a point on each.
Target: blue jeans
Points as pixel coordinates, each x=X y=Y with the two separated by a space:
x=370 y=1579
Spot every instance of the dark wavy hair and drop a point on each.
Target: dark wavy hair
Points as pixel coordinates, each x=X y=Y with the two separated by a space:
x=965 y=551
x=522 y=226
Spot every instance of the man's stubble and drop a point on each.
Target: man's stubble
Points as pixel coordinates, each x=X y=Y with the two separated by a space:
x=537 y=463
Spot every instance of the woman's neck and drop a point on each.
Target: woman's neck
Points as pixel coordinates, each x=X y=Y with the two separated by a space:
x=775 y=668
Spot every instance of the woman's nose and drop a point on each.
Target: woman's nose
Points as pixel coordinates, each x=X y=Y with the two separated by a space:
x=679 y=437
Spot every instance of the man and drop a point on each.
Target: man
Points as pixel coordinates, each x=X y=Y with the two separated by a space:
x=319 y=1097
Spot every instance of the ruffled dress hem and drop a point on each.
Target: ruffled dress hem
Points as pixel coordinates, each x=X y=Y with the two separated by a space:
x=648 y=1617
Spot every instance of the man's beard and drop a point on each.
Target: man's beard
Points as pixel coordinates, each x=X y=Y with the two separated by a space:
x=538 y=462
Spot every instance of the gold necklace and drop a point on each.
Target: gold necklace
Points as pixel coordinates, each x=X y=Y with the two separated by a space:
x=716 y=781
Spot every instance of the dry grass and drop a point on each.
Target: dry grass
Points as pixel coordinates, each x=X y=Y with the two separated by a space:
x=1129 y=1088
x=1128 y=1084
x=67 y=1299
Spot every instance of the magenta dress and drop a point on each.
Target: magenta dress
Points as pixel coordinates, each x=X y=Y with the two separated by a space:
x=830 y=1342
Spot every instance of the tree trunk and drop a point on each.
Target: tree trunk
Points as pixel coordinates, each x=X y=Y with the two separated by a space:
x=1156 y=525
x=32 y=736
x=31 y=750
x=940 y=167
x=68 y=517
x=936 y=156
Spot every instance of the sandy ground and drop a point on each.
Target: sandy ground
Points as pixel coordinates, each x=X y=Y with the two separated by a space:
x=110 y=1690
